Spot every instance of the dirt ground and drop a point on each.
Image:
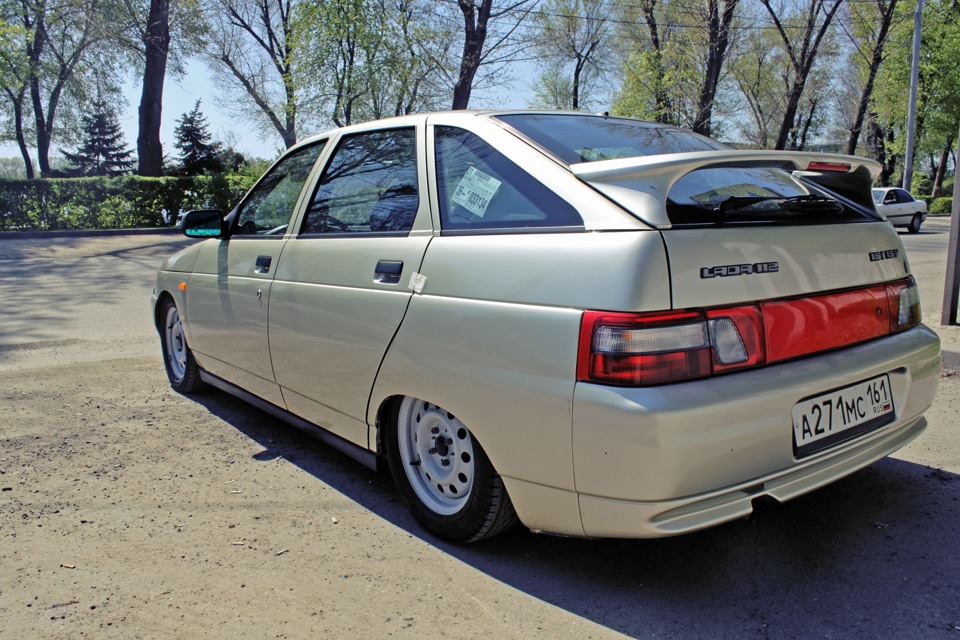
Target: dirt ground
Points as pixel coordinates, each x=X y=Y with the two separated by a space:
x=129 y=511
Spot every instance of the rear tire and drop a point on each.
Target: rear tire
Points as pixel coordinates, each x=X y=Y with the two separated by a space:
x=915 y=223
x=443 y=474
x=182 y=369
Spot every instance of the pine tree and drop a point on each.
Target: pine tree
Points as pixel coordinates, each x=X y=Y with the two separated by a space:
x=103 y=151
x=198 y=154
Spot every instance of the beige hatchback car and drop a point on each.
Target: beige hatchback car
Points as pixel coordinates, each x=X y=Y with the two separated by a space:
x=598 y=326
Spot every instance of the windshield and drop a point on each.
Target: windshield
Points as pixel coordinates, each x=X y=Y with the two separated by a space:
x=877 y=195
x=725 y=194
x=586 y=138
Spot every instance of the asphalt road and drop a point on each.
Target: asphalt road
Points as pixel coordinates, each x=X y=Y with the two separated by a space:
x=120 y=520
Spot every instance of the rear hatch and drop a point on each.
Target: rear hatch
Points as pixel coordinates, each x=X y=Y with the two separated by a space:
x=743 y=226
x=772 y=255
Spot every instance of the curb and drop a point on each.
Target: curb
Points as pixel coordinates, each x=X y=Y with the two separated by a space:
x=86 y=233
x=951 y=360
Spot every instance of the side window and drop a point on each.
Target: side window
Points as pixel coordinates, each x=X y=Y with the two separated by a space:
x=903 y=196
x=369 y=186
x=269 y=206
x=890 y=198
x=480 y=188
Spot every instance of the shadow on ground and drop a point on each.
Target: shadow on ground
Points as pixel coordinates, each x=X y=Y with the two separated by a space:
x=875 y=555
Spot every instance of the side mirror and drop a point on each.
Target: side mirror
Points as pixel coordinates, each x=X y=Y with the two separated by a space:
x=203 y=223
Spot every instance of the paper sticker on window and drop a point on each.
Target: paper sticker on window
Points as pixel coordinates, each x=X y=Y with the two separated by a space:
x=475 y=191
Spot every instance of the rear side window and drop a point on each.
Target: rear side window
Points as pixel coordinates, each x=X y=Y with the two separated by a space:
x=722 y=194
x=480 y=188
x=584 y=138
x=369 y=186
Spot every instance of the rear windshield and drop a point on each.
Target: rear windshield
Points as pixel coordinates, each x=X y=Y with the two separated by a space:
x=722 y=194
x=732 y=192
x=576 y=138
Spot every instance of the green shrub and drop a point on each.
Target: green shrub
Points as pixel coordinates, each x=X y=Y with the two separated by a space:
x=124 y=202
x=941 y=207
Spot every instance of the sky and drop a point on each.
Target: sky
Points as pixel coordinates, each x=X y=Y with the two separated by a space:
x=179 y=96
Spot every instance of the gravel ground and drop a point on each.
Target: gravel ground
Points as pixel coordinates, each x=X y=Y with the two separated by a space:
x=128 y=511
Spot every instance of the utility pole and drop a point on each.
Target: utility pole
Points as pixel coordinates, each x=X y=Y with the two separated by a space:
x=914 y=79
x=951 y=295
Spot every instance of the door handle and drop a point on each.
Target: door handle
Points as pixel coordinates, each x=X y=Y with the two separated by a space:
x=388 y=271
x=263 y=264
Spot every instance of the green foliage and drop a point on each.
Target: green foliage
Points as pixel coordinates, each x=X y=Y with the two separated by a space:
x=113 y=203
x=198 y=153
x=941 y=207
x=102 y=152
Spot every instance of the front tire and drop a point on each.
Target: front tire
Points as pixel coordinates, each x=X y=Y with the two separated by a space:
x=443 y=474
x=182 y=369
x=915 y=223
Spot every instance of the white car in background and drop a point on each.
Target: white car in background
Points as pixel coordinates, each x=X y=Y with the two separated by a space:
x=598 y=326
x=900 y=208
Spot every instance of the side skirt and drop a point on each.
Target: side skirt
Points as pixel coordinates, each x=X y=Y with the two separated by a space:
x=361 y=455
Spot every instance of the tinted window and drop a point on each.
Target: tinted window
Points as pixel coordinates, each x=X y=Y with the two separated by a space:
x=268 y=208
x=903 y=196
x=576 y=139
x=370 y=185
x=753 y=194
x=480 y=188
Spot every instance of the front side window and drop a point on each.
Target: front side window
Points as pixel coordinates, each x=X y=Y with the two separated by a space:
x=268 y=208
x=480 y=188
x=370 y=186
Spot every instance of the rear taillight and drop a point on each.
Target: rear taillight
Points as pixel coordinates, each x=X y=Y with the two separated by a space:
x=903 y=302
x=645 y=349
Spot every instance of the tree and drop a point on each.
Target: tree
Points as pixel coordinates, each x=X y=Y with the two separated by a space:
x=198 y=153
x=575 y=32
x=482 y=20
x=673 y=64
x=802 y=49
x=868 y=32
x=102 y=152
x=719 y=16
x=370 y=58
x=757 y=72
x=250 y=44
x=553 y=89
x=53 y=54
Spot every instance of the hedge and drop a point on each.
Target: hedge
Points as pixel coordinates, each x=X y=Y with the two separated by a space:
x=113 y=203
x=941 y=206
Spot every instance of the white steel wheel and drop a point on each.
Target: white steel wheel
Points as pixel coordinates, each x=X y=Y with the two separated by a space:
x=443 y=474
x=176 y=344
x=436 y=451
x=182 y=369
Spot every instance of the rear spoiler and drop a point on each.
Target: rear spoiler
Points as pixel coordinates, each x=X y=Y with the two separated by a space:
x=640 y=185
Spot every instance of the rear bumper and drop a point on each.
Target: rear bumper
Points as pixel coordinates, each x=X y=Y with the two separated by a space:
x=667 y=460
x=625 y=519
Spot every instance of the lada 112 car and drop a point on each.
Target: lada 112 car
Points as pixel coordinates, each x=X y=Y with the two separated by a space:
x=597 y=326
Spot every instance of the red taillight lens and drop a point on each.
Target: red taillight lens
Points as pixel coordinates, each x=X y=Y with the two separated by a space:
x=645 y=349
x=819 y=323
x=828 y=166
x=656 y=348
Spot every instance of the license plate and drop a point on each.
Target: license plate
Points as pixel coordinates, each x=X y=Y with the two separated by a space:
x=825 y=420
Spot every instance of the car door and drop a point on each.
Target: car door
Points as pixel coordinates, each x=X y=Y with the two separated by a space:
x=229 y=292
x=341 y=289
